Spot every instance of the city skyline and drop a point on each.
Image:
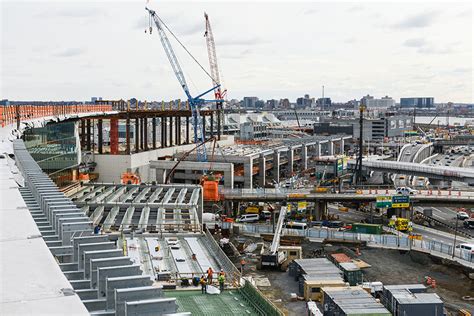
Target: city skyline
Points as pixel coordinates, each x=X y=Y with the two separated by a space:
x=73 y=51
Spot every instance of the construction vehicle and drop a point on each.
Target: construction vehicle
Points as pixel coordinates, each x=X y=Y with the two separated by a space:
x=130 y=178
x=278 y=257
x=401 y=224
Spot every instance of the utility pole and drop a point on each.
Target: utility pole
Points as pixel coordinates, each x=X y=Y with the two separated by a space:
x=455 y=235
x=361 y=143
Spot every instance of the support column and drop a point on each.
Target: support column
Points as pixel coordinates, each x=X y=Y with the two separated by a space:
x=262 y=171
x=290 y=155
x=145 y=133
x=99 y=136
x=212 y=124
x=165 y=131
x=276 y=166
x=180 y=141
x=321 y=209
x=83 y=133
x=304 y=156
x=137 y=135
x=342 y=146
x=114 y=136
x=187 y=129
x=171 y=131
x=248 y=174
x=318 y=150
x=162 y=134
x=88 y=139
x=176 y=130
x=203 y=127
x=127 y=135
x=153 y=131
x=219 y=117
x=331 y=148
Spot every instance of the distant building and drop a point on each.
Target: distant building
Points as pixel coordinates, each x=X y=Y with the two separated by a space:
x=4 y=102
x=333 y=128
x=371 y=102
x=419 y=103
x=272 y=104
x=285 y=103
x=95 y=99
x=323 y=103
x=388 y=126
x=250 y=102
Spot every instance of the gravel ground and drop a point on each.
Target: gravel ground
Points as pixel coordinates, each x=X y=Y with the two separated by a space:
x=393 y=267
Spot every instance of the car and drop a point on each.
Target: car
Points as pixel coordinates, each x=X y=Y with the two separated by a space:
x=406 y=191
x=469 y=223
x=264 y=215
x=462 y=215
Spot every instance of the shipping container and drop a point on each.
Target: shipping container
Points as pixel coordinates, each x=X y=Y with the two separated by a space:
x=363 y=228
x=352 y=273
x=351 y=301
x=312 y=288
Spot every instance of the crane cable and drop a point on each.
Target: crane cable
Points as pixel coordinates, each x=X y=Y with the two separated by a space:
x=184 y=47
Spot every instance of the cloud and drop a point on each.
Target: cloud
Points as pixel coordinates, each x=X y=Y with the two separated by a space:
x=350 y=40
x=236 y=55
x=70 y=52
x=431 y=50
x=417 y=21
x=77 y=12
x=310 y=12
x=241 y=41
x=191 y=29
x=415 y=42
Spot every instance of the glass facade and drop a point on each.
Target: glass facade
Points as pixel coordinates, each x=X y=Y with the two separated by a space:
x=54 y=147
x=425 y=103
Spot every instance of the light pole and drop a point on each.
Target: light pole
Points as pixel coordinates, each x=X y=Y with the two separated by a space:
x=455 y=235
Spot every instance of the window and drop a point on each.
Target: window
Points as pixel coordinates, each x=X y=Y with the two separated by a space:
x=315 y=290
x=293 y=253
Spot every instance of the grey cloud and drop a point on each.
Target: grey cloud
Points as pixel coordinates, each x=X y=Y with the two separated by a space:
x=70 y=52
x=415 y=42
x=417 y=21
x=430 y=50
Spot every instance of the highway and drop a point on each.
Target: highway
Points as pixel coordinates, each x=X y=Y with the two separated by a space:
x=406 y=155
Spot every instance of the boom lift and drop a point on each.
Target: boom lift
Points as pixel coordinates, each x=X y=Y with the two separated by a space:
x=278 y=256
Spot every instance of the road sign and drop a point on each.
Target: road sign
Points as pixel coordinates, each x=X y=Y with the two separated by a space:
x=400 y=201
x=383 y=201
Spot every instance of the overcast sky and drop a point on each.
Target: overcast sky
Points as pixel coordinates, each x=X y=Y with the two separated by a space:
x=72 y=50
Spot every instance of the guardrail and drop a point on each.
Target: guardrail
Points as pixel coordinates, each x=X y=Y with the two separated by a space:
x=398 y=241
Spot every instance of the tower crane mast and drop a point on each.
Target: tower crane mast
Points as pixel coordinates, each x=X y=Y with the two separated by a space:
x=219 y=94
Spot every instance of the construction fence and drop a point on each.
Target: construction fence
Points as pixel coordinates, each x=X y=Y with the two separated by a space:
x=396 y=241
x=10 y=114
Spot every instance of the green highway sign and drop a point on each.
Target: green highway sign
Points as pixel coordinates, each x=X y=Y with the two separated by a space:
x=396 y=201
x=400 y=201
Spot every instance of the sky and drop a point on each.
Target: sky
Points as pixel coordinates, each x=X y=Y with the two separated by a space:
x=74 y=50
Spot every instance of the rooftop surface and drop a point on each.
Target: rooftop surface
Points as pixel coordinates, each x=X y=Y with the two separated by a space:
x=230 y=302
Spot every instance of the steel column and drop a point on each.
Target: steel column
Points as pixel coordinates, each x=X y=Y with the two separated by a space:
x=171 y=131
x=114 y=148
x=137 y=135
x=187 y=129
x=145 y=132
x=153 y=137
x=212 y=124
x=127 y=136
x=88 y=140
x=99 y=136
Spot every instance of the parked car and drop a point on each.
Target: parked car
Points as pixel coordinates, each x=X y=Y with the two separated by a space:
x=462 y=215
x=469 y=223
x=406 y=191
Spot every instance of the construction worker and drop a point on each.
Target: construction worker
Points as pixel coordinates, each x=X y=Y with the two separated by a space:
x=209 y=275
x=221 y=280
x=203 y=283
x=242 y=265
x=222 y=272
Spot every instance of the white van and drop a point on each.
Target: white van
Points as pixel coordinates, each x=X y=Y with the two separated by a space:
x=406 y=191
x=296 y=225
x=465 y=251
x=248 y=218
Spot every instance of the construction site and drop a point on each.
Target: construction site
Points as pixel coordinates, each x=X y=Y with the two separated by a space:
x=188 y=208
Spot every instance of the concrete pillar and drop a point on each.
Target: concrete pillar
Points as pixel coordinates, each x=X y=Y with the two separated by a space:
x=248 y=174
x=162 y=124
x=187 y=129
x=171 y=131
x=145 y=133
x=290 y=155
x=261 y=171
x=153 y=132
x=83 y=133
x=114 y=136
x=276 y=166
x=321 y=208
x=342 y=146
x=100 y=137
x=178 y=130
x=304 y=156
x=331 y=148
x=137 y=135
x=88 y=133
x=317 y=147
x=127 y=135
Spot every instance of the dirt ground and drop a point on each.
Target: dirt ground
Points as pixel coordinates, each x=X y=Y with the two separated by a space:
x=387 y=266
x=394 y=267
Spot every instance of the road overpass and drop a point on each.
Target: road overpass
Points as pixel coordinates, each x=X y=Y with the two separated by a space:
x=424 y=198
x=416 y=169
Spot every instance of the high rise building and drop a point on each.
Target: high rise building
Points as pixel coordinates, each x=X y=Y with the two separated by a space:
x=371 y=102
x=250 y=102
x=323 y=103
x=419 y=103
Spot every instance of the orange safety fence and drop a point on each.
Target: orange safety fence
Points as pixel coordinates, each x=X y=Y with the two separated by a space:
x=10 y=113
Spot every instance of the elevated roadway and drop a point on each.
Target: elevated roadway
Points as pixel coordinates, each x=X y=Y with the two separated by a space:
x=424 y=198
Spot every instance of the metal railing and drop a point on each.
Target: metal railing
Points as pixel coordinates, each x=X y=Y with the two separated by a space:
x=398 y=240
